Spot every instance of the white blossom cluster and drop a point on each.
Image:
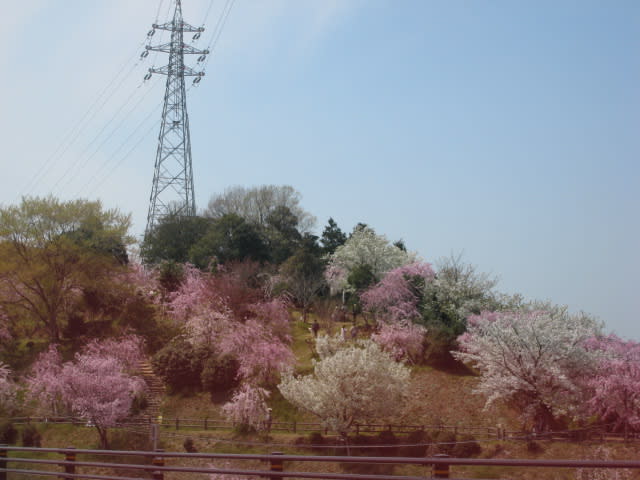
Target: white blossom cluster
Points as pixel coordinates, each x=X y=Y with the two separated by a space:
x=365 y=247
x=358 y=383
x=534 y=359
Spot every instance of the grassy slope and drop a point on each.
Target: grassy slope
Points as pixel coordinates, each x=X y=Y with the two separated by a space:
x=436 y=397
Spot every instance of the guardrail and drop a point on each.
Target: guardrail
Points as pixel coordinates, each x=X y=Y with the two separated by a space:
x=158 y=463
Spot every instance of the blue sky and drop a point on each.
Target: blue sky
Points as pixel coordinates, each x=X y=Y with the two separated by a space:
x=504 y=130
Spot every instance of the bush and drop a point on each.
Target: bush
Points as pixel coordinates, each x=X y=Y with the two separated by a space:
x=316 y=438
x=445 y=441
x=361 y=440
x=467 y=447
x=414 y=438
x=365 y=468
x=189 y=446
x=219 y=373
x=30 y=436
x=534 y=447
x=8 y=433
x=179 y=364
x=139 y=403
x=387 y=437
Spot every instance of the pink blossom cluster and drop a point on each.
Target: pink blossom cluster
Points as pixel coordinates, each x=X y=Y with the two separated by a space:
x=615 y=395
x=260 y=353
x=395 y=297
x=403 y=340
x=145 y=280
x=94 y=386
x=222 y=314
x=248 y=407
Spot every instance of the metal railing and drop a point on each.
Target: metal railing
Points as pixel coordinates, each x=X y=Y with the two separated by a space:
x=159 y=463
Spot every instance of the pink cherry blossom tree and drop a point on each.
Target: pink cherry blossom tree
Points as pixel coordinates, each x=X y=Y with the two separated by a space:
x=273 y=314
x=402 y=340
x=616 y=383
x=221 y=314
x=94 y=386
x=248 y=406
x=397 y=296
x=260 y=353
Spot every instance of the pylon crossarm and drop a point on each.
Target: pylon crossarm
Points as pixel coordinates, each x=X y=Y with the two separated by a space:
x=186 y=49
x=171 y=26
x=186 y=71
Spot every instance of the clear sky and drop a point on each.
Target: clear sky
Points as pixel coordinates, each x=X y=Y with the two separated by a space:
x=508 y=131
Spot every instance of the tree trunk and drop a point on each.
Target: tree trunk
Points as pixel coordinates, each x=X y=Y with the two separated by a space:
x=104 y=441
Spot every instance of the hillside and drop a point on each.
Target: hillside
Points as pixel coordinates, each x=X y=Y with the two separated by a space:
x=436 y=398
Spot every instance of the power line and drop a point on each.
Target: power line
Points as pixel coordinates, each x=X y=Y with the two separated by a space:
x=206 y=15
x=76 y=166
x=70 y=138
x=115 y=167
x=217 y=31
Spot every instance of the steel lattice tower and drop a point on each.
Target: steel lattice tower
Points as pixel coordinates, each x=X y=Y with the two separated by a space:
x=172 y=188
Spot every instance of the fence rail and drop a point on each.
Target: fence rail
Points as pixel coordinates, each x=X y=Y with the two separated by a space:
x=597 y=432
x=30 y=460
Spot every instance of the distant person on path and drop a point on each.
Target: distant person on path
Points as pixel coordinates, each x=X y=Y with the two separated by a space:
x=315 y=327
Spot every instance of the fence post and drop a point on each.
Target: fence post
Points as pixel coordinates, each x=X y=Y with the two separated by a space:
x=155 y=433
x=3 y=462
x=158 y=461
x=69 y=456
x=277 y=465
x=441 y=470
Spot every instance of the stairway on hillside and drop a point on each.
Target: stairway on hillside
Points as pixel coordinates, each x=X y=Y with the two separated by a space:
x=156 y=389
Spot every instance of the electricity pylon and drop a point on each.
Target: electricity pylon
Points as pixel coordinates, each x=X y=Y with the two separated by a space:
x=172 y=188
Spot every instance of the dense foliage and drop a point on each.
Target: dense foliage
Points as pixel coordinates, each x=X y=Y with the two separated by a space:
x=52 y=253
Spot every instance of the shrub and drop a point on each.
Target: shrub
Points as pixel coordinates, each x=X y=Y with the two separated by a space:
x=189 y=446
x=30 y=436
x=361 y=440
x=316 y=438
x=415 y=438
x=365 y=468
x=179 y=364
x=444 y=442
x=8 y=433
x=387 y=437
x=534 y=447
x=139 y=403
x=466 y=447
x=219 y=373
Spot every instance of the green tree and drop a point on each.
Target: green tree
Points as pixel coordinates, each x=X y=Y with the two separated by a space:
x=229 y=238
x=49 y=251
x=172 y=238
x=282 y=233
x=457 y=291
x=303 y=273
x=360 y=278
x=332 y=237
